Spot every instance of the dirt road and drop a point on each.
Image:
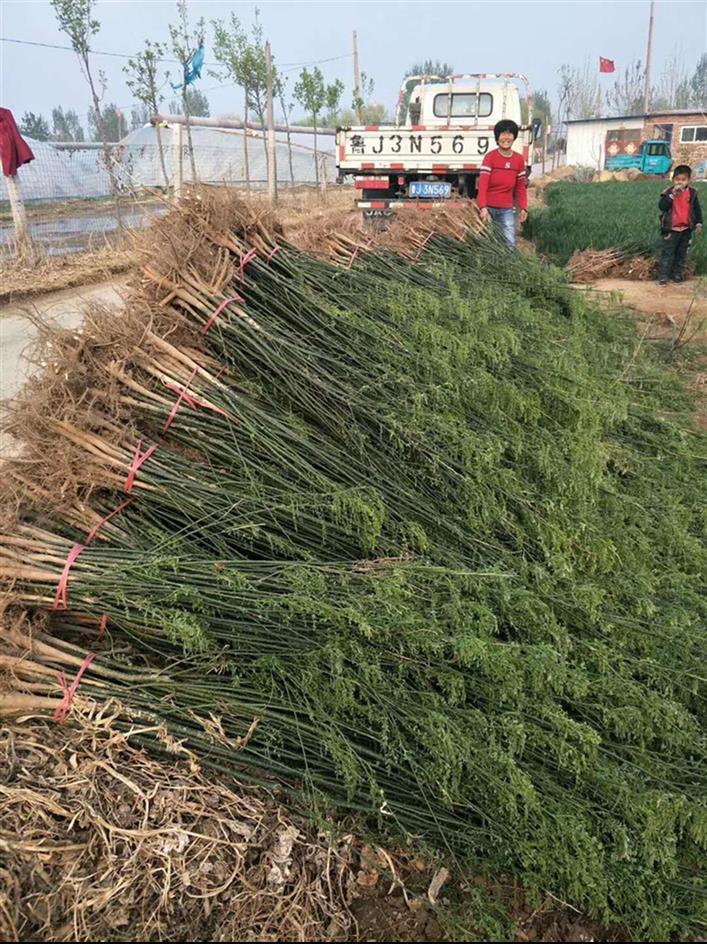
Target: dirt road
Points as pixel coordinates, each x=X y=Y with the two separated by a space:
x=662 y=301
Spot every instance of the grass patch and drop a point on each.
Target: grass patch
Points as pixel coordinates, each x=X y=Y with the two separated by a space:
x=614 y=215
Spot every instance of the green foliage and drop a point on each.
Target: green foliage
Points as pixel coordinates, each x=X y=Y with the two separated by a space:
x=142 y=74
x=311 y=92
x=432 y=67
x=74 y=19
x=35 y=126
x=334 y=91
x=542 y=107
x=452 y=556
x=115 y=126
x=66 y=125
x=242 y=58
x=613 y=215
x=197 y=104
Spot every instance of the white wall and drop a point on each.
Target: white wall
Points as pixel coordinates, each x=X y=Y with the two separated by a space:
x=585 y=140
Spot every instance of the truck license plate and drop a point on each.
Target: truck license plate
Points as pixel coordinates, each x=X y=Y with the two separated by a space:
x=430 y=188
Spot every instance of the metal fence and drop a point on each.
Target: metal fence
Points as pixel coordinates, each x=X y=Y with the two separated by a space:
x=70 y=203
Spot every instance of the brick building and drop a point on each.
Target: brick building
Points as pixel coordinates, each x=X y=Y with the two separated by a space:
x=590 y=140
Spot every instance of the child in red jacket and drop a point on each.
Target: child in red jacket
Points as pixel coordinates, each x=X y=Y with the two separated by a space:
x=502 y=183
x=680 y=215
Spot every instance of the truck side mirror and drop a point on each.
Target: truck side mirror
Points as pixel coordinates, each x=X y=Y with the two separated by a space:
x=537 y=128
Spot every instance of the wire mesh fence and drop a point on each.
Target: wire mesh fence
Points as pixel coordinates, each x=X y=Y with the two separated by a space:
x=77 y=197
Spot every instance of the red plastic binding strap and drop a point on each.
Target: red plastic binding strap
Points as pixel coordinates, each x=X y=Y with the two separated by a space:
x=191 y=399
x=102 y=626
x=63 y=709
x=94 y=531
x=244 y=260
x=60 y=599
x=183 y=395
x=272 y=251
x=428 y=237
x=138 y=460
x=214 y=316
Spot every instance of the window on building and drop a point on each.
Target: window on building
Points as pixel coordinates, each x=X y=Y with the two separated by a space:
x=693 y=134
x=463 y=105
x=623 y=134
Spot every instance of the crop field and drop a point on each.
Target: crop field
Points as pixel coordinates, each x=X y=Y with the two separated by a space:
x=614 y=215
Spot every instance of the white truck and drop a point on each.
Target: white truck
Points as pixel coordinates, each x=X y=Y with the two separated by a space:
x=434 y=151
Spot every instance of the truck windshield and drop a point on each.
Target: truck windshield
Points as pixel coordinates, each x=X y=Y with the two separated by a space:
x=657 y=150
x=463 y=105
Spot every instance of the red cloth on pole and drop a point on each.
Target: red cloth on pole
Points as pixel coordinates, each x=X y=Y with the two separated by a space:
x=14 y=152
x=606 y=65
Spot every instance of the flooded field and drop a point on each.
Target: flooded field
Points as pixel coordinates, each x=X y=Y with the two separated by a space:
x=62 y=230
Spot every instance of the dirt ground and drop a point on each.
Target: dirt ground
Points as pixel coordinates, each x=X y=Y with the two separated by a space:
x=663 y=301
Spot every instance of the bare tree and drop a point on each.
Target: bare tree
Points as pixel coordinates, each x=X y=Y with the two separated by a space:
x=143 y=82
x=626 y=95
x=185 y=45
x=75 y=19
x=698 y=83
x=673 y=90
x=582 y=91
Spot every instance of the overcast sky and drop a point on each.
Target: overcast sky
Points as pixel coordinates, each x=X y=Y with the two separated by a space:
x=520 y=36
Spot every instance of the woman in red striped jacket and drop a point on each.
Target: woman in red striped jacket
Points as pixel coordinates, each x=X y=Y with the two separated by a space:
x=502 y=183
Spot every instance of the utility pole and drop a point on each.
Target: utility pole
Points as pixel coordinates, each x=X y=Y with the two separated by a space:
x=272 y=167
x=357 y=79
x=647 y=90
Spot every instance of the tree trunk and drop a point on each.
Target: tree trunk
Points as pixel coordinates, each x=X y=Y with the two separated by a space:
x=190 y=143
x=265 y=146
x=160 y=148
x=246 y=166
x=289 y=139
x=316 y=155
x=107 y=157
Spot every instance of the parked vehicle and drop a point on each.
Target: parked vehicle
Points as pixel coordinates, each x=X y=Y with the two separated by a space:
x=434 y=150
x=650 y=157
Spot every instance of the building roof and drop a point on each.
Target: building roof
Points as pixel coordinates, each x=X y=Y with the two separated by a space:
x=651 y=114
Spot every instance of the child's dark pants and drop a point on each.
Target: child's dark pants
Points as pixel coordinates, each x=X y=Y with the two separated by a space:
x=673 y=253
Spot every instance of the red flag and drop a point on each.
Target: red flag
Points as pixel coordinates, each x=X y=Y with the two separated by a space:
x=606 y=65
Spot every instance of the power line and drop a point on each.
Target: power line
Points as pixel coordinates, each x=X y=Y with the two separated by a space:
x=285 y=66
x=124 y=55
x=95 y=52
x=315 y=62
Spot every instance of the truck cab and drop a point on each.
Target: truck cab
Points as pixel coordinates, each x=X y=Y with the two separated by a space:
x=443 y=128
x=440 y=103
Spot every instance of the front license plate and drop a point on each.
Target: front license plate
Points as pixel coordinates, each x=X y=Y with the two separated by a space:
x=430 y=188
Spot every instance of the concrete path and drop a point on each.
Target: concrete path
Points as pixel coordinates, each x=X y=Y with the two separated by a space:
x=17 y=332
